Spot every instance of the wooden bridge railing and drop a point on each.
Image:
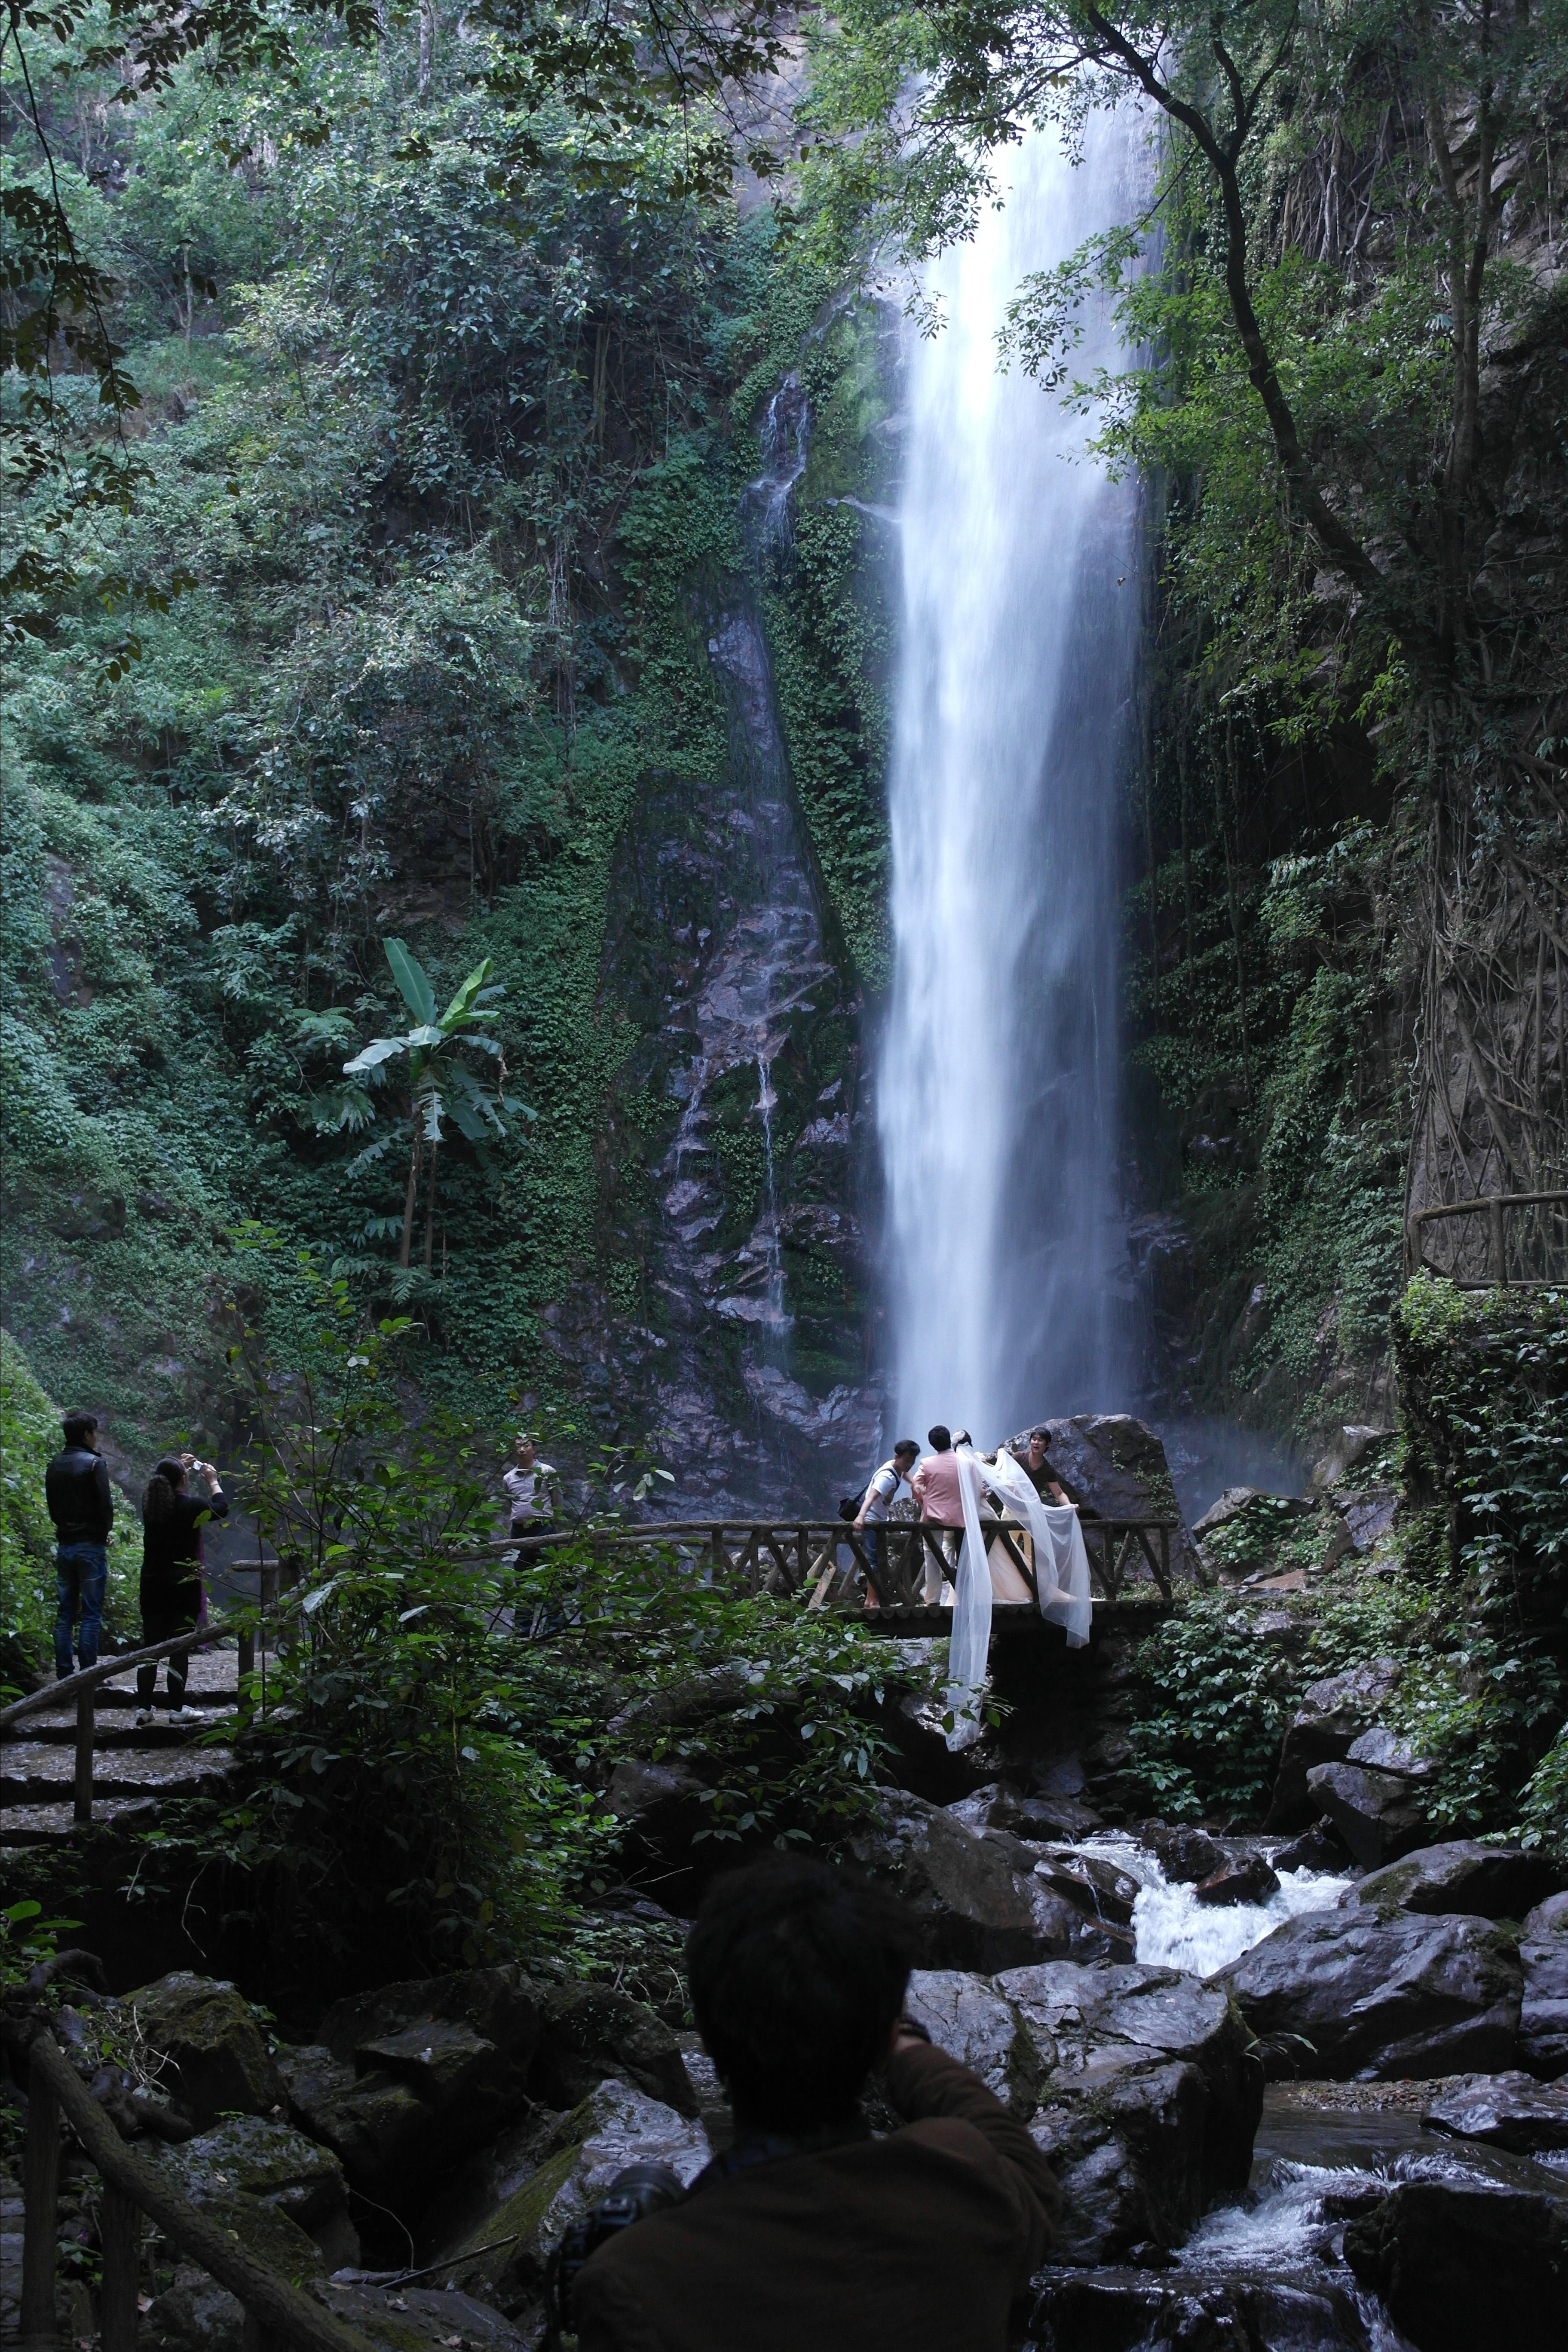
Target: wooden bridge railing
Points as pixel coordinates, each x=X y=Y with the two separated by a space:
x=1532 y=1225
x=832 y=1564
x=277 y=2313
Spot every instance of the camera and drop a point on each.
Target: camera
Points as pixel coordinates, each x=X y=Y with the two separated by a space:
x=635 y=2193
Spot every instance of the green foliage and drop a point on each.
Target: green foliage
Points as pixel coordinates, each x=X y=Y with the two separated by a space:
x=29 y=1434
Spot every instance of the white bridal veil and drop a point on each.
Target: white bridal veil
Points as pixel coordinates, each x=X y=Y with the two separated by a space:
x=1061 y=1572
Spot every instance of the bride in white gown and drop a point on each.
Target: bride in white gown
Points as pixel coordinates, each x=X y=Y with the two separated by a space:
x=1061 y=1573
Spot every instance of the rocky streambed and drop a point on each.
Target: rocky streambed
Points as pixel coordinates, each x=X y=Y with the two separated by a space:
x=1343 y=2122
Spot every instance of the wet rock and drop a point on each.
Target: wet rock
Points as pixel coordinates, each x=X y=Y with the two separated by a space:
x=590 y=2033
x=1117 y=2310
x=616 y=2125
x=198 y=2315
x=1347 y=1449
x=1149 y=2102
x=252 y=2157
x=421 y=2318
x=1379 y=2000
x=975 y=1901
x=1115 y=1465
x=410 y=2077
x=1095 y=1885
x=967 y=2017
x=1462 y=2263
x=1230 y=1506
x=1039 y=1821
x=1388 y=1751
x=1246 y=1878
x=1186 y=1855
x=1320 y=1848
x=1333 y=1715
x=1544 y=2020
x=1512 y=2111
x=1369 y=1514
x=1378 y=1814
x=217 y=2061
x=1462 y=1877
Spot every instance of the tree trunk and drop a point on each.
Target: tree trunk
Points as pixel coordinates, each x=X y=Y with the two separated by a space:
x=1234 y=903
x=410 y=1195
x=426 y=45
x=430 y=1214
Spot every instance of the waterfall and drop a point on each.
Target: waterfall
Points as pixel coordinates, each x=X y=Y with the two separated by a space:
x=1008 y=1275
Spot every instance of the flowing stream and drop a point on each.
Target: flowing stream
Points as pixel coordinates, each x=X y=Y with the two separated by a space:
x=1009 y=1280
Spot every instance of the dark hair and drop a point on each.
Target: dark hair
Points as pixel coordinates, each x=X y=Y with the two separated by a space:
x=939 y=1439
x=906 y=1445
x=1043 y=1434
x=797 y=1978
x=159 y=1493
x=77 y=1427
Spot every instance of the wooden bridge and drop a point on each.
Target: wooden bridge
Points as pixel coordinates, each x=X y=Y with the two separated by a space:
x=830 y=1564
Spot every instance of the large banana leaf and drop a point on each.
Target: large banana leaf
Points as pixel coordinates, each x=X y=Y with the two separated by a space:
x=462 y=1007
x=413 y=984
x=371 y=1057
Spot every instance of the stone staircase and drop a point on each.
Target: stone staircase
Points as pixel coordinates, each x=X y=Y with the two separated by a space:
x=135 y=1771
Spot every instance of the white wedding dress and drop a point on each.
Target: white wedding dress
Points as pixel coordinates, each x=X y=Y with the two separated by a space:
x=1061 y=1573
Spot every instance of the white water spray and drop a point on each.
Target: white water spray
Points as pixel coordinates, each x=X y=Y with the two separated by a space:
x=997 y=1100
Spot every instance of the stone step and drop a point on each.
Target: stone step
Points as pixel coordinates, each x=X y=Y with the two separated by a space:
x=36 y=1825
x=121 y=1731
x=31 y=1771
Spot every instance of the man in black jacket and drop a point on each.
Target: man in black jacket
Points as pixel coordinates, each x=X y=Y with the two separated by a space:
x=81 y=1504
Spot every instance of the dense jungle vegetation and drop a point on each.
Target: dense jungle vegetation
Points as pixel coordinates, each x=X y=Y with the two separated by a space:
x=381 y=389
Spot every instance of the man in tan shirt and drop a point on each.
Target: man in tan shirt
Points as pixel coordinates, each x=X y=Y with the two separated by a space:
x=810 y=2235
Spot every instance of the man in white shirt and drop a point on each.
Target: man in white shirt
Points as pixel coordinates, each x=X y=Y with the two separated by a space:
x=872 y=1515
x=530 y=1491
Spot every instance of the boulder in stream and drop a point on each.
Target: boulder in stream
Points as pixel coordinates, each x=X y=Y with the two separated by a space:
x=1242 y=1878
x=1347 y=1995
x=1511 y=2111
x=1113 y=2310
x=1543 y=2018
x=1147 y=2102
x=1462 y=2263
x=1320 y=1848
x=1186 y=1855
x=1332 y=1717
x=975 y=1901
x=1379 y=1815
x=251 y=2157
x=1491 y=1882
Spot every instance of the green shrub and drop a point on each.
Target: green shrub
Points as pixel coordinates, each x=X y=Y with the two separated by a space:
x=29 y=1434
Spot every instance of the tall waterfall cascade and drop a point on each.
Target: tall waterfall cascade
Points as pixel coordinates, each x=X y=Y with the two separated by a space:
x=1009 y=1285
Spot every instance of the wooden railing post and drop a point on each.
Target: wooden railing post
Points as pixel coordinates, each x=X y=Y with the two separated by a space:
x=84 y=1727
x=119 y=2235
x=40 y=2198
x=1500 y=1239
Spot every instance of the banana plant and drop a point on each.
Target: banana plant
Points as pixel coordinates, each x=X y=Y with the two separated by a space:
x=440 y=1086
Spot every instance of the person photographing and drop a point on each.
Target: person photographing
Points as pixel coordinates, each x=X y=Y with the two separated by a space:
x=173 y=1517
x=809 y=2233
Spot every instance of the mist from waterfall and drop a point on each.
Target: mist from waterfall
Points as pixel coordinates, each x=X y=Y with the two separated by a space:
x=997 y=1098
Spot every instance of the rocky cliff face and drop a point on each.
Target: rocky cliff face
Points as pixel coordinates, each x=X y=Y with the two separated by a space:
x=734 y=1152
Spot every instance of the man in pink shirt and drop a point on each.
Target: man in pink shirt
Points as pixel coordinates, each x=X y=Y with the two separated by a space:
x=934 y=1486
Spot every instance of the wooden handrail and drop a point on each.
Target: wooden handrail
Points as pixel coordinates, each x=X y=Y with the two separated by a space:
x=280 y=2309
x=71 y=1688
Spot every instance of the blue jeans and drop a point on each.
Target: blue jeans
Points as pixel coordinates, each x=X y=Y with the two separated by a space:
x=81 y=1571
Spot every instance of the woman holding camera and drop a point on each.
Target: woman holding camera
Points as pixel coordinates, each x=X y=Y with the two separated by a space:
x=171 y=1521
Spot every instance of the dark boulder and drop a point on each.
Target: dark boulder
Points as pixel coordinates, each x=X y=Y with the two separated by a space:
x=1379 y=2000
x=1186 y=1855
x=1332 y=1717
x=1147 y=2102
x=639 y=1788
x=216 y=2061
x=1095 y=1885
x=966 y=2016
x=1390 y=1751
x=1035 y=1821
x=1461 y=2264
x=250 y=2156
x=1378 y=1814
x=590 y=2034
x=1129 y=2311
x=1512 y=2111
x=1320 y=1848
x=421 y=2318
x=1487 y=1881
x=409 y=2078
x=1246 y=1878
x=198 y=2315
x=974 y=1900
x=1544 y=2020
x=1115 y=1465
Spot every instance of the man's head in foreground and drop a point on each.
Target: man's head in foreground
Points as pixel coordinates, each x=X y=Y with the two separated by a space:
x=798 y=1977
